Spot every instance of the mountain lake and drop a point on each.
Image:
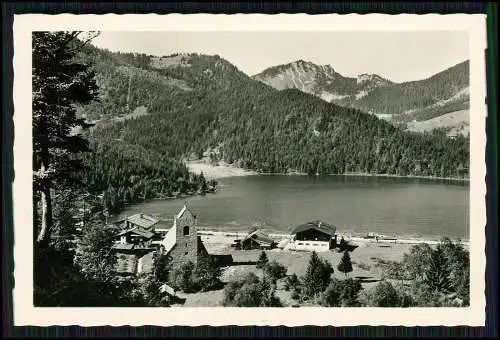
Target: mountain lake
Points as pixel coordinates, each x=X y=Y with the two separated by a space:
x=356 y=205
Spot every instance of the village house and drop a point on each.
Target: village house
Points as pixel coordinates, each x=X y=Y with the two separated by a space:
x=315 y=235
x=143 y=235
x=138 y=220
x=135 y=244
x=256 y=240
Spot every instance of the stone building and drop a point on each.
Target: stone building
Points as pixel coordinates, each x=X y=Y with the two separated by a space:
x=182 y=243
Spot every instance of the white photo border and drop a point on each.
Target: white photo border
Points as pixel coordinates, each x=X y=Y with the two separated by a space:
x=25 y=314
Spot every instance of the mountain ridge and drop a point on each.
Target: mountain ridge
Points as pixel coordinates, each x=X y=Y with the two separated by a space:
x=253 y=125
x=400 y=103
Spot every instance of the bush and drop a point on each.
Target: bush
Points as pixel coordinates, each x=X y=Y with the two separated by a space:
x=385 y=295
x=332 y=295
x=342 y=293
x=150 y=288
x=181 y=277
x=274 y=271
x=207 y=275
x=317 y=277
x=161 y=267
x=189 y=278
x=292 y=282
x=250 y=291
x=364 y=266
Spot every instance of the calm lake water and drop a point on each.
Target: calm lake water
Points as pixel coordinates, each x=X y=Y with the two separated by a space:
x=357 y=205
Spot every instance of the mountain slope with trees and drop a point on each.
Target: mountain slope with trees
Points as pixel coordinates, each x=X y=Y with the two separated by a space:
x=257 y=127
x=422 y=100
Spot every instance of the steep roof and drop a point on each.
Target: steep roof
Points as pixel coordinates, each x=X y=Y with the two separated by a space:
x=170 y=239
x=139 y=231
x=141 y=220
x=184 y=210
x=120 y=246
x=217 y=249
x=316 y=225
x=259 y=237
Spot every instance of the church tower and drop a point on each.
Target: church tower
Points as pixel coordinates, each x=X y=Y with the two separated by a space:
x=188 y=244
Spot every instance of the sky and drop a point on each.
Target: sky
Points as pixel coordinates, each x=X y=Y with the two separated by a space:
x=395 y=55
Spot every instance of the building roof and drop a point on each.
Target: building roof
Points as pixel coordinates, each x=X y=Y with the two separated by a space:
x=170 y=239
x=141 y=220
x=217 y=248
x=316 y=225
x=259 y=237
x=120 y=246
x=183 y=210
x=139 y=231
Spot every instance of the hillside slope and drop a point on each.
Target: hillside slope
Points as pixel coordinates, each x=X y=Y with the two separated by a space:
x=255 y=126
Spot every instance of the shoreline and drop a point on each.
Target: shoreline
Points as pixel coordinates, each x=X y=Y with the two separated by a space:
x=225 y=170
x=228 y=236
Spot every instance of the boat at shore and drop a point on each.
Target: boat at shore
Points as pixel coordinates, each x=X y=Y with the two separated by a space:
x=377 y=237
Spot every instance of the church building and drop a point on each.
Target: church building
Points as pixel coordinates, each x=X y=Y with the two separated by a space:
x=182 y=243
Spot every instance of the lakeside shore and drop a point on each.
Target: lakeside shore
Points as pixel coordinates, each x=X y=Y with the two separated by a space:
x=224 y=170
x=227 y=237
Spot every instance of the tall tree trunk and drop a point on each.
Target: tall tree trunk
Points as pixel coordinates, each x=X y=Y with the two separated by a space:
x=46 y=228
x=46 y=223
x=36 y=217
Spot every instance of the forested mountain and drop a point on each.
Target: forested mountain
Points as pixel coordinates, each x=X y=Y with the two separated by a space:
x=193 y=103
x=443 y=93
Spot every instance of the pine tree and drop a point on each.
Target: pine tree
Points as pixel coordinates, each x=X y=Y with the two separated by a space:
x=94 y=256
x=345 y=265
x=60 y=82
x=438 y=273
x=317 y=277
x=463 y=291
x=262 y=261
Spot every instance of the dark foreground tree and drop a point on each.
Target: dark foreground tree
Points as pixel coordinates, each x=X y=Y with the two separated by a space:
x=342 y=293
x=317 y=277
x=60 y=83
x=250 y=291
x=345 y=265
x=262 y=261
x=274 y=271
x=438 y=274
x=94 y=255
x=385 y=295
x=207 y=275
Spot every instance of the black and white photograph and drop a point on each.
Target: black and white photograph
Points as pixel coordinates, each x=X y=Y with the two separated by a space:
x=298 y=169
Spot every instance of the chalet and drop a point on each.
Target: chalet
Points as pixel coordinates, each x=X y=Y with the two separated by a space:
x=137 y=236
x=135 y=244
x=315 y=235
x=182 y=242
x=257 y=240
x=138 y=220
